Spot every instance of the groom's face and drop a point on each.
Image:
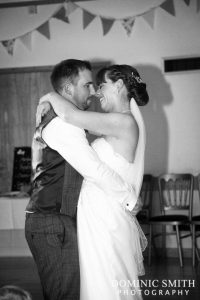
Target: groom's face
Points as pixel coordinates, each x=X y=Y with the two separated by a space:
x=83 y=89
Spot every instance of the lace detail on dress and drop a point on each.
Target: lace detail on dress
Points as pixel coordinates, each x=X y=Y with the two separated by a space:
x=141 y=243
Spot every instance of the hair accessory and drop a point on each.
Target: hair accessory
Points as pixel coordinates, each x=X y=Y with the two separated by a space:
x=137 y=78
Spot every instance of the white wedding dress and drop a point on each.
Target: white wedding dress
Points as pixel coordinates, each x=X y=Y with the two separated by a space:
x=109 y=238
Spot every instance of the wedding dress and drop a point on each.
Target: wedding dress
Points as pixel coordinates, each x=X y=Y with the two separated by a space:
x=110 y=239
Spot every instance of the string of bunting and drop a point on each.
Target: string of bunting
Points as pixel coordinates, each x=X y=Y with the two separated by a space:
x=68 y=7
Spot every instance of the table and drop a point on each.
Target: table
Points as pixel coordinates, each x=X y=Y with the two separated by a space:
x=12 y=221
x=12 y=210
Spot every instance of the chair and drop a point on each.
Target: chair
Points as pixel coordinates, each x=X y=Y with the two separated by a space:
x=195 y=235
x=175 y=194
x=146 y=198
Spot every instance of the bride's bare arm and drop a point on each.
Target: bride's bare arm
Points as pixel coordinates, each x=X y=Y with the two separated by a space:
x=112 y=124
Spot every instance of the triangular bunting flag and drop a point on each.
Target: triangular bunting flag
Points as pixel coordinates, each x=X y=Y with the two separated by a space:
x=169 y=7
x=61 y=15
x=106 y=24
x=87 y=18
x=149 y=17
x=187 y=2
x=128 y=24
x=198 y=5
x=44 y=29
x=26 y=39
x=9 y=45
x=70 y=7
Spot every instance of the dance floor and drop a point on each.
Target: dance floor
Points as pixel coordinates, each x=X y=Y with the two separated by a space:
x=163 y=280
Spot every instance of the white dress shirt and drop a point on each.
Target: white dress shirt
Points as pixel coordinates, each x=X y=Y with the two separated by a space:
x=71 y=143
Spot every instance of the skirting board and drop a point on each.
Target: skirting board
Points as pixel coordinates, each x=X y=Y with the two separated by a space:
x=170 y=252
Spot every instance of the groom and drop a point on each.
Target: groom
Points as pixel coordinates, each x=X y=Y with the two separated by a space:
x=50 y=226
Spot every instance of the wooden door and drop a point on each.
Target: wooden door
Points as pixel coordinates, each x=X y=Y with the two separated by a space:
x=20 y=90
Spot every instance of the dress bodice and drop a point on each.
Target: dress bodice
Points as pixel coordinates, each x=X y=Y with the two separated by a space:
x=130 y=172
x=114 y=160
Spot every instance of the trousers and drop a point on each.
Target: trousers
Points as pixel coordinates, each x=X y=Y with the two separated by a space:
x=52 y=239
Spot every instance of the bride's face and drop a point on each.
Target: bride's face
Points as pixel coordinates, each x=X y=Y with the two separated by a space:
x=107 y=94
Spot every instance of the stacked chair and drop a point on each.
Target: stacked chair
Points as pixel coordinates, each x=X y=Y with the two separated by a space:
x=195 y=234
x=146 y=196
x=176 y=195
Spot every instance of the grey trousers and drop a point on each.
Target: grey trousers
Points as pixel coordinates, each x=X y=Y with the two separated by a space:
x=52 y=240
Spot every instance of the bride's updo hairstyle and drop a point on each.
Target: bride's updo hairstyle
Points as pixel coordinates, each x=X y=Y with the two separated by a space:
x=136 y=88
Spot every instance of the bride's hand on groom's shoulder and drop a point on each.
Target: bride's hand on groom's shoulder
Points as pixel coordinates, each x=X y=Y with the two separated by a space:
x=42 y=110
x=47 y=97
x=44 y=106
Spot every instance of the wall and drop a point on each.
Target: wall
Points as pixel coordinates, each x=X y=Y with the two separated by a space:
x=173 y=140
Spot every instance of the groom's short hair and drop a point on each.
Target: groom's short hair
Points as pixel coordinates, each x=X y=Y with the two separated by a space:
x=67 y=70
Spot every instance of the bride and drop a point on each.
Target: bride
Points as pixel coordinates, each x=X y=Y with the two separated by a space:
x=110 y=239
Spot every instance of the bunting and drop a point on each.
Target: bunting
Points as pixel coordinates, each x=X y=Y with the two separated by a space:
x=26 y=40
x=71 y=7
x=87 y=18
x=61 y=15
x=106 y=24
x=149 y=17
x=68 y=7
x=187 y=2
x=169 y=7
x=128 y=25
x=9 y=45
x=44 y=30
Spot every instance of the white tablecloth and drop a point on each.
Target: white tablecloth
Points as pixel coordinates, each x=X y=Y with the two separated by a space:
x=12 y=212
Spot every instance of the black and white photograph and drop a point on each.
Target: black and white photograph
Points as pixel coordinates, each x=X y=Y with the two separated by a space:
x=99 y=149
